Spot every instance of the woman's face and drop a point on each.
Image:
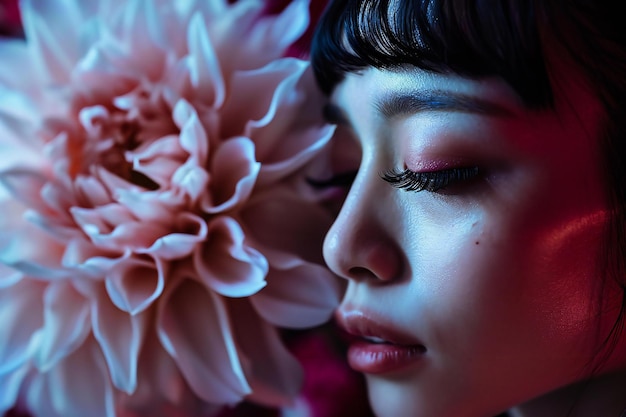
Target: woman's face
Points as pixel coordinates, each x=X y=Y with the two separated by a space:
x=481 y=291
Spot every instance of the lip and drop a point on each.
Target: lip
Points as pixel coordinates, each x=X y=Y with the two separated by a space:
x=378 y=347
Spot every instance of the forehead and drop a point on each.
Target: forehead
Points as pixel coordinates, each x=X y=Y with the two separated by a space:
x=372 y=94
x=391 y=93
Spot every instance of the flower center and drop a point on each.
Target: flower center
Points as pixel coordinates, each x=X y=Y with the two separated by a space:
x=114 y=136
x=115 y=155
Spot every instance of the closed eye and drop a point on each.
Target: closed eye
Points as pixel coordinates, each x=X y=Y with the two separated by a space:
x=432 y=181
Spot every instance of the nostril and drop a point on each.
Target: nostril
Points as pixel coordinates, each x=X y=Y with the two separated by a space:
x=358 y=272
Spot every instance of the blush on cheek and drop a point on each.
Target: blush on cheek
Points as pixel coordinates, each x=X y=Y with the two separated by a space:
x=571 y=283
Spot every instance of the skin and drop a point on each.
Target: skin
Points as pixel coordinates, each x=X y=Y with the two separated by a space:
x=497 y=277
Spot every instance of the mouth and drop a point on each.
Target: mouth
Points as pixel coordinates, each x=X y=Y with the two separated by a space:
x=378 y=347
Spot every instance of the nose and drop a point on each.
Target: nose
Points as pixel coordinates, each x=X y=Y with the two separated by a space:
x=362 y=243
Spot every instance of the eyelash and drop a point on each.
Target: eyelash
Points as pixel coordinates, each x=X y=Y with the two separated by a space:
x=432 y=181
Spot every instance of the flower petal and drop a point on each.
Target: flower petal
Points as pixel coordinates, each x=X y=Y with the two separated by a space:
x=160 y=159
x=18 y=121
x=279 y=219
x=8 y=276
x=193 y=230
x=66 y=318
x=299 y=297
x=120 y=336
x=25 y=247
x=191 y=179
x=278 y=32
x=50 y=52
x=249 y=39
x=14 y=55
x=80 y=386
x=206 y=74
x=9 y=387
x=38 y=396
x=159 y=380
x=90 y=189
x=148 y=206
x=112 y=228
x=226 y=264
x=206 y=356
x=193 y=137
x=143 y=38
x=81 y=255
x=254 y=97
x=25 y=185
x=21 y=309
x=135 y=283
x=274 y=374
x=283 y=146
x=234 y=171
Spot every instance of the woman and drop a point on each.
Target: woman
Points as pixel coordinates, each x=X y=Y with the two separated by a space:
x=483 y=233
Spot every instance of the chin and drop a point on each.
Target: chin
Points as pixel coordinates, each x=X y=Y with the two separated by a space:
x=400 y=397
x=396 y=398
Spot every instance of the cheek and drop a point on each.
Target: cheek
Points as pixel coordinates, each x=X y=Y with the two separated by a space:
x=533 y=283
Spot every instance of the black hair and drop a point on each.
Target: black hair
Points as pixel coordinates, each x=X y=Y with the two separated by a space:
x=506 y=39
x=469 y=38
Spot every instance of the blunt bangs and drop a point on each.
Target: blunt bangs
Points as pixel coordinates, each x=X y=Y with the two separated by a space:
x=471 y=38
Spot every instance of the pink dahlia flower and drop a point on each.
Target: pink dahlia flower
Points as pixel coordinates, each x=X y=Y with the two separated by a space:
x=156 y=228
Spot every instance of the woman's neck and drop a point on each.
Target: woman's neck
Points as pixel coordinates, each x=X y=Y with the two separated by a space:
x=603 y=396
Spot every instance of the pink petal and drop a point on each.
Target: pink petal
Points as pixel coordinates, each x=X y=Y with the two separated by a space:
x=101 y=220
x=178 y=245
x=249 y=40
x=193 y=138
x=59 y=200
x=25 y=247
x=191 y=179
x=299 y=297
x=18 y=125
x=66 y=313
x=234 y=172
x=82 y=255
x=91 y=117
x=10 y=384
x=22 y=315
x=254 y=95
x=8 y=276
x=159 y=380
x=80 y=386
x=160 y=160
x=226 y=264
x=14 y=55
x=25 y=185
x=113 y=229
x=120 y=336
x=206 y=75
x=286 y=147
x=135 y=283
x=148 y=206
x=193 y=327
x=50 y=52
x=274 y=374
x=280 y=31
x=92 y=191
x=278 y=218
x=141 y=31
x=113 y=183
x=37 y=395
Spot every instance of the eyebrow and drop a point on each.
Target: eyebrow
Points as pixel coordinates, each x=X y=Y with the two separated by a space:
x=393 y=105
